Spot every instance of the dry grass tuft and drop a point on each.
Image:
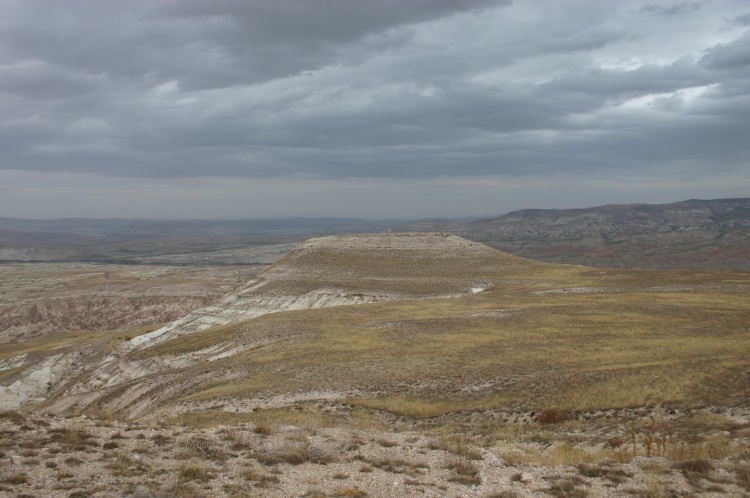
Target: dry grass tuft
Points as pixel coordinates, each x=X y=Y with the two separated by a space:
x=347 y=492
x=567 y=487
x=18 y=478
x=161 y=439
x=464 y=471
x=459 y=445
x=124 y=465
x=555 y=416
x=507 y=493
x=694 y=470
x=263 y=428
x=743 y=477
x=14 y=416
x=198 y=447
x=260 y=478
x=397 y=466
x=196 y=473
x=386 y=443
x=295 y=453
x=566 y=453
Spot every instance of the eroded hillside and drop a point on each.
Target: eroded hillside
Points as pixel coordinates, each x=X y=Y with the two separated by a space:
x=38 y=299
x=498 y=374
x=443 y=324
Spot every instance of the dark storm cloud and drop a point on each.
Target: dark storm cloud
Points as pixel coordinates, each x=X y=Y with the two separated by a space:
x=731 y=56
x=359 y=88
x=671 y=10
x=207 y=44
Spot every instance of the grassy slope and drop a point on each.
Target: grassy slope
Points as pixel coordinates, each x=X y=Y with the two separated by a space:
x=662 y=337
x=504 y=348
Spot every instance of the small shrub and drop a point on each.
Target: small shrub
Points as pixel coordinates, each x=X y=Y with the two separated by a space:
x=385 y=443
x=351 y=443
x=566 y=488
x=295 y=454
x=196 y=473
x=80 y=494
x=702 y=467
x=466 y=480
x=458 y=445
x=693 y=470
x=349 y=493
x=615 y=442
x=593 y=471
x=314 y=493
x=462 y=466
x=124 y=465
x=179 y=489
x=259 y=478
x=464 y=472
x=743 y=477
x=71 y=437
x=19 y=478
x=64 y=474
x=263 y=428
x=14 y=416
x=202 y=448
x=161 y=440
x=555 y=416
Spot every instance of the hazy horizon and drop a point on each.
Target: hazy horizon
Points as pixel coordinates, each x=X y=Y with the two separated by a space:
x=359 y=218
x=185 y=109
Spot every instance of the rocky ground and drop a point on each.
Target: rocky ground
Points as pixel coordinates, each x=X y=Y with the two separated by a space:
x=48 y=456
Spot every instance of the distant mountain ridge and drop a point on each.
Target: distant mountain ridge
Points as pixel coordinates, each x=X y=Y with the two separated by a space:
x=692 y=234
x=616 y=219
x=706 y=234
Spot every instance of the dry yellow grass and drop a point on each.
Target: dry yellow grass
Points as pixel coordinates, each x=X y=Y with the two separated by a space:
x=506 y=348
x=70 y=339
x=619 y=338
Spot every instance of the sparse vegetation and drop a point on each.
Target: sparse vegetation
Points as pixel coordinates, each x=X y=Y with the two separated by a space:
x=295 y=453
x=464 y=471
x=197 y=473
x=630 y=391
x=555 y=416
x=19 y=478
x=260 y=478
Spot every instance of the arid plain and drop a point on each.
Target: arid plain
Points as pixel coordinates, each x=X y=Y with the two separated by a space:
x=394 y=365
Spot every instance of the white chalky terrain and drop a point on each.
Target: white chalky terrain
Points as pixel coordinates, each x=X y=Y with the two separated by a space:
x=329 y=271
x=322 y=272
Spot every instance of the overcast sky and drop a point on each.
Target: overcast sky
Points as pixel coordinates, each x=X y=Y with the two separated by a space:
x=368 y=108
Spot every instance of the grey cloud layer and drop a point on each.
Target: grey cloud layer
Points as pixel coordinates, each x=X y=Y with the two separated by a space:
x=359 y=88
